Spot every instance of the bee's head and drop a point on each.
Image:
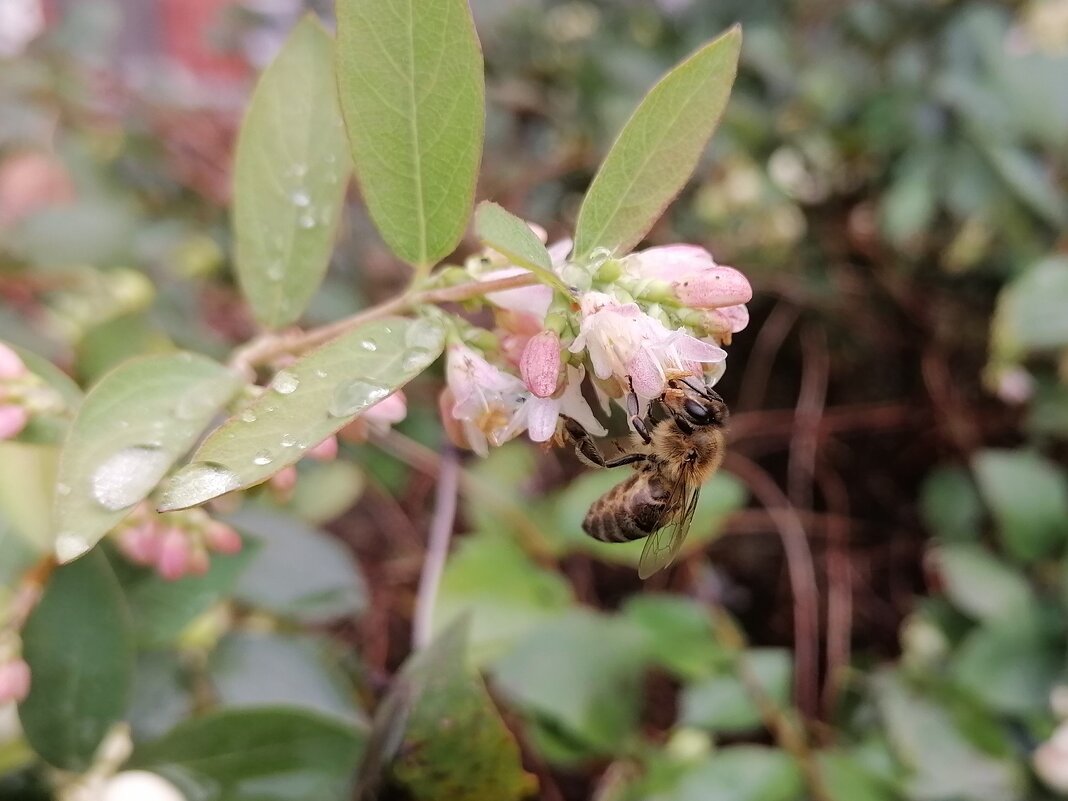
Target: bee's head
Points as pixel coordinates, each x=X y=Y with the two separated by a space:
x=700 y=405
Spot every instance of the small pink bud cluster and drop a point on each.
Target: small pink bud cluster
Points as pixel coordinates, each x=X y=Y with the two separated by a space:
x=175 y=544
x=13 y=415
x=14 y=680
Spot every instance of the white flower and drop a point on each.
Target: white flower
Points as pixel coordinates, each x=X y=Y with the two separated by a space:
x=625 y=343
x=534 y=299
x=539 y=416
x=485 y=397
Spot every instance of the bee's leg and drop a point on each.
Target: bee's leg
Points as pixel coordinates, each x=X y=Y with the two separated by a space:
x=634 y=417
x=587 y=449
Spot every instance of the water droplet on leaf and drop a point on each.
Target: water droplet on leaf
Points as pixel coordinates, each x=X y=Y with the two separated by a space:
x=262 y=458
x=248 y=416
x=355 y=396
x=307 y=221
x=285 y=382
x=300 y=198
x=127 y=476
x=288 y=441
x=368 y=344
x=70 y=546
x=321 y=373
x=196 y=483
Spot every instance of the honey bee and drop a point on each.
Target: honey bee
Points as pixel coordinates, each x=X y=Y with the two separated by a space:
x=678 y=445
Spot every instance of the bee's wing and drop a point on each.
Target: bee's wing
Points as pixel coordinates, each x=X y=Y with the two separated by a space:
x=662 y=546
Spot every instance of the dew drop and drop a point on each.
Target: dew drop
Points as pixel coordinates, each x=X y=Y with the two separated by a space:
x=196 y=483
x=300 y=198
x=368 y=344
x=62 y=489
x=248 y=416
x=423 y=341
x=355 y=396
x=288 y=441
x=127 y=476
x=285 y=382
x=275 y=271
x=262 y=458
x=70 y=546
x=307 y=221
x=321 y=373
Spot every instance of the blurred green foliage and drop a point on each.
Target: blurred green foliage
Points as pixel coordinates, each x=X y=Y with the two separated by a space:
x=893 y=171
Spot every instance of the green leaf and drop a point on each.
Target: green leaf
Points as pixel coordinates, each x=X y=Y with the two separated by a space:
x=950 y=504
x=260 y=669
x=326 y=490
x=679 y=632
x=1028 y=495
x=980 y=585
x=505 y=233
x=256 y=755
x=413 y=97
x=742 y=773
x=846 y=779
x=658 y=149
x=291 y=168
x=1030 y=312
x=307 y=402
x=328 y=585
x=132 y=427
x=161 y=696
x=27 y=479
x=162 y=609
x=942 y=762
x=490 y=579
x=79 y=645
x=722 y=703
x=438 y=735
x=1010 y=665
x=590 y=693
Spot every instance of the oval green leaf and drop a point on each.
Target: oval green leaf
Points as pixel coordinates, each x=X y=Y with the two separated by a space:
x=237 y=754
x=307 y=402
x=505 y=233
x=132 y=427
x=79 y=645
x=658 y=149
x=413 y=98
x=291 y=169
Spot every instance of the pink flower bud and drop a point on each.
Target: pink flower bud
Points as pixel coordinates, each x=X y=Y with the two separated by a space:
x=14 y=681
x=222 y=538
x=174 y=554
x=713 y=288
x=199 y=561
x=389 y=410
x=140 y=543
x=284 y=480
x=325 y=451
x=540 y=364
x=11 y=365
x=13 y=419
x=671 y=262
x=721 y=323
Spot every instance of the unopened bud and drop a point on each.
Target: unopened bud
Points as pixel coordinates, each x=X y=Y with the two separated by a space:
x=140 y=543
x=222 y=538
x=540 y=364
x=174 y=554
x=11 y=364
x=14 y=681
x=713 y=288
x=13 y=418
x=284 y=480
x=325 y=451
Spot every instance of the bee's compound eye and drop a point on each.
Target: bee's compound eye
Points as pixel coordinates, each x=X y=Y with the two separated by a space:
x=697 y=411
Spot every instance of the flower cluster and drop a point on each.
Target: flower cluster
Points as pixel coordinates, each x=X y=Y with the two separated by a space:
x=175 y=544
x=629 y=324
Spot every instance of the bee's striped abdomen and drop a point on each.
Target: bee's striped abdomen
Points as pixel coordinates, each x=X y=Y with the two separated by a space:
x=630 y=510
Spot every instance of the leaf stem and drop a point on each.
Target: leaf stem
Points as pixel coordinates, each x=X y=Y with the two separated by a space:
x=437 y=547
x=270 y=345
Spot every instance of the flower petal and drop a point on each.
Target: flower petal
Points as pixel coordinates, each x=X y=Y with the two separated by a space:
x=541 y=418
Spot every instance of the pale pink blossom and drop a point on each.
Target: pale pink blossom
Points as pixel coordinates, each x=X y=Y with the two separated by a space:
x=634 y=348
x=388 y=411
x=14 y=681
x=11 y=364
x=540 y=415
x=222 y=538
x=13 y=418
x=199 y=561
x=540 y=364
x=175 y=552
x=284 y=480
x=695 y=278
x=484 y=397
x=325 y=451
x=140 y=543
